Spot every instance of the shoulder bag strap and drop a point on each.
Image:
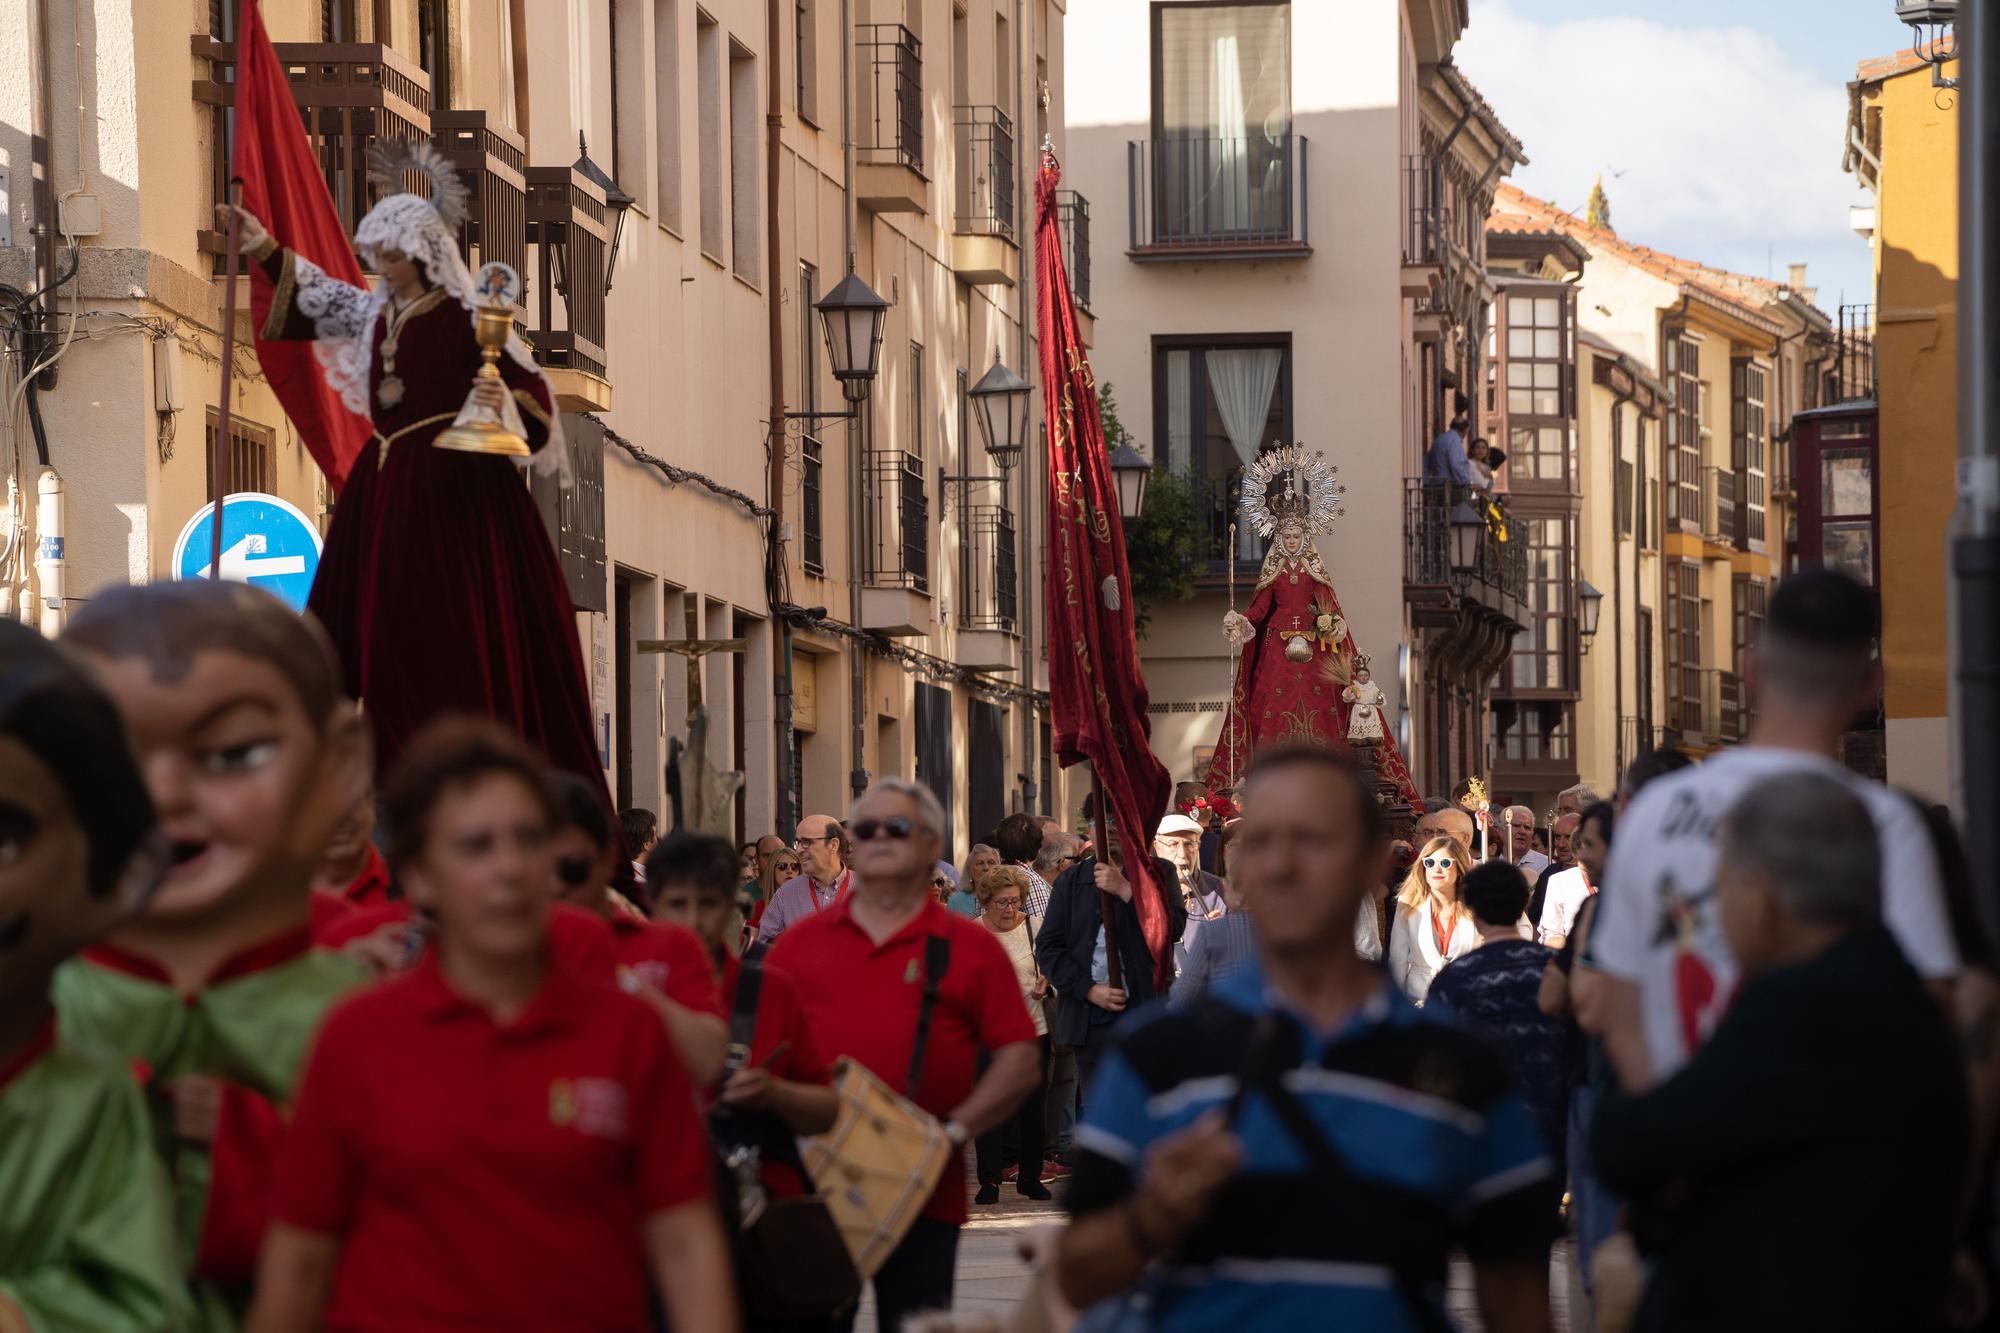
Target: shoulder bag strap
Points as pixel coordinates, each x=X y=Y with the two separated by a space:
x=743 y=1019
x=937 y=957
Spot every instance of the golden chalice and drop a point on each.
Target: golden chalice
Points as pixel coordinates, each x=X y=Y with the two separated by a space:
x=480 y=430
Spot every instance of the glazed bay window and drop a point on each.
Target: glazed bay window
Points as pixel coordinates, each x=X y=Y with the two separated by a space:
x=1684 y=417
x=1221 y=166
x=1221 y=404
x=1538 y=351
x=1748 y=447
x=1541 y=661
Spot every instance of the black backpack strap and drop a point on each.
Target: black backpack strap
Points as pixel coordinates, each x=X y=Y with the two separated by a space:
x=937 y=957
x=743 y=1019
x=1263 y=1071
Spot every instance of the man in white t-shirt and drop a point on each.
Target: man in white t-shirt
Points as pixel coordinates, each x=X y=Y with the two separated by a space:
x=1520 y=822
x=1658 y=942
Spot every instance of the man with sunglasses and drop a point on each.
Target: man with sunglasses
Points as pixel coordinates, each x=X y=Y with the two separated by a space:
x=862 y=966
x=822 y=844
x=661 y=962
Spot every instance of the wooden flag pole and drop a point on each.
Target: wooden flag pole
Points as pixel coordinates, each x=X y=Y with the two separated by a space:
x=1114 y=968
x=219 y=455
x=1235 y=664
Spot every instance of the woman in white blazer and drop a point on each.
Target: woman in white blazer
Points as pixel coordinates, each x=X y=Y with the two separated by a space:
x=1431 y=926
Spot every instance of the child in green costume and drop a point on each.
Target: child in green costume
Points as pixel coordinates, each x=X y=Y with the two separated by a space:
x=86 y=1215
x=251 y=755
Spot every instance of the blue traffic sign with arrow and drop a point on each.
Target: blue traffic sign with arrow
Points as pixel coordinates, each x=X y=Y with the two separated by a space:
x=266 y=542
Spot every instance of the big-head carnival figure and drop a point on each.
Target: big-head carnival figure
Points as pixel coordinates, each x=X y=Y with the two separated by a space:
x=1297 y=655
x=438 y=583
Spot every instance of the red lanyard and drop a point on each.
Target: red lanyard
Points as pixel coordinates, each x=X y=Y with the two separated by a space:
x=839 y=893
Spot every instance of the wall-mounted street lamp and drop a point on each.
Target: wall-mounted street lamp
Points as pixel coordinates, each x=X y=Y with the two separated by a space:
x=1589 y=603
x=853 y=317
x=1467 y=527
x=1000 y=401
x=1933 y=34
x=1130 y=471
x=615 y=199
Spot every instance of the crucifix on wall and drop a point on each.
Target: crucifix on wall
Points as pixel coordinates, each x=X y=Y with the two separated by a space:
x=701 y=795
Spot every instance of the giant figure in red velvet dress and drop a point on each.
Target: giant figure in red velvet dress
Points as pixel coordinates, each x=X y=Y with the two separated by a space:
x=438 y=582
x=1297 y=653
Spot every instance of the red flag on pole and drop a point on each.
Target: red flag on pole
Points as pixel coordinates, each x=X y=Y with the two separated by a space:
x=283 y=186
x=1096 y=691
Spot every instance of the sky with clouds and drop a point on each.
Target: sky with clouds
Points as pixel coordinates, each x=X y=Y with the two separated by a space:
x=1717 y=124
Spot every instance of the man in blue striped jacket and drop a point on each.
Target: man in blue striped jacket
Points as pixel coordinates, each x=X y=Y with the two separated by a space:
x=1302 y=1148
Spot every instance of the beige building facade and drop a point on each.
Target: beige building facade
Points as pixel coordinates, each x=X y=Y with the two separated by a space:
x=1277 y=264
x=669 y=178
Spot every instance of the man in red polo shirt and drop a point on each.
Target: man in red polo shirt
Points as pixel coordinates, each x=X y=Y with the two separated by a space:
x=492 y=1141
x=859 y=967
x=663 y=962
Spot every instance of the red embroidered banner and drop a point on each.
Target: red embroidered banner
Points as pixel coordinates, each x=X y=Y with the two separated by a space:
x=283 y=186
x=1096 y=691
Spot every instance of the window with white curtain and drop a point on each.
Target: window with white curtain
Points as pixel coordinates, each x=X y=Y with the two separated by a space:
x=1218 y=405
x=1222 y=119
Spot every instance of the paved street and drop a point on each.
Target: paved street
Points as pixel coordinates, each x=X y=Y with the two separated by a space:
x=992 y=1279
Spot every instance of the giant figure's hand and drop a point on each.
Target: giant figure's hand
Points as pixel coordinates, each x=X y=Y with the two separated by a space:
x=1236 y=628
x=252 y=235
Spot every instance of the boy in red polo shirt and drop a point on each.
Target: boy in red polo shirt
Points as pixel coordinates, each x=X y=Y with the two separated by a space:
x=859 y=967
x=492 y=1141
x=662 y=961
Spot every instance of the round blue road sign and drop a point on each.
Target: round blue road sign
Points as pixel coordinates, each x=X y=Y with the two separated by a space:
x=266 y=542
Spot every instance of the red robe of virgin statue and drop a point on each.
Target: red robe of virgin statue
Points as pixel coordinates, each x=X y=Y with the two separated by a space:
x=438 y=582
x=1294 y=699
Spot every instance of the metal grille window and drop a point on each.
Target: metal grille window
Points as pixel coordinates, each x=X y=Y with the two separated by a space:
x=1749 y=446
x=251 y=460
x=809 y=505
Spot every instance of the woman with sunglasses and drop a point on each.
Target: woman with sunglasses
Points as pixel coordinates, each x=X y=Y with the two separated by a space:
x=1003 y=896
x=495 y=1140
x=1430 y=926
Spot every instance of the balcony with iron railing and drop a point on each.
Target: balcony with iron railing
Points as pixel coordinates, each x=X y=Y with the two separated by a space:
x=1426 y=226
x=1073 y=224
x=1489 y=567
x=985 y=228
x=895 y=574
x=889 y=119
x=1856 y=370
x=1222 y=198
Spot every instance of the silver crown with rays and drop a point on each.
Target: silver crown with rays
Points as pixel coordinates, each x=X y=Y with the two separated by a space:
x=1309 y=490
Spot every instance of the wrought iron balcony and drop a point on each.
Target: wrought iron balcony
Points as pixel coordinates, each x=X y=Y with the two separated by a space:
x=1427 y=222
x=350 y=95
x=1218 y=198
x=989 y=573
x=889 y=96
x=1073 y=224
x=566 y=225
x=983 y=147
x=898 y=518
x=1855 y=373
x=1492 y=569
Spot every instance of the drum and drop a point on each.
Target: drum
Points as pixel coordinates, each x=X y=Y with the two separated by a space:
x=877 y=1167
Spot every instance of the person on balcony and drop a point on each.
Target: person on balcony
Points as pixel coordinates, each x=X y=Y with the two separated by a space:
x=438 y=582
x=1446 y=462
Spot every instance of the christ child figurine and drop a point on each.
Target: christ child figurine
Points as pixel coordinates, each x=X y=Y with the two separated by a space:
x=86 y=1211
x=1365 y=702
x=252 y=756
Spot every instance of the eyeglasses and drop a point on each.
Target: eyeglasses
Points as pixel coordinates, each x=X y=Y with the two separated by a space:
x=573 y=870
x=788 y=867
x=895 y=827
x=802 y=841
x=1438 y=862
x=940 y=882
x=1003 y=902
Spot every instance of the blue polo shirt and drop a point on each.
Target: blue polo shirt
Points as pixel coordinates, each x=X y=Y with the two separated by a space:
x=1440 y=1149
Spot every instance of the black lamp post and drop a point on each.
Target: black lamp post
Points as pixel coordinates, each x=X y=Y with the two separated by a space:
x=854 y=318
x=1000 y=402
x=615 y=199
x=1130 y=471
x=1589 y=603
x=1466 y=528
x=1933 y=34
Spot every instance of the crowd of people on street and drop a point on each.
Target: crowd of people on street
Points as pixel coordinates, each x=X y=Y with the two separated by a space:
x=282 y=1049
